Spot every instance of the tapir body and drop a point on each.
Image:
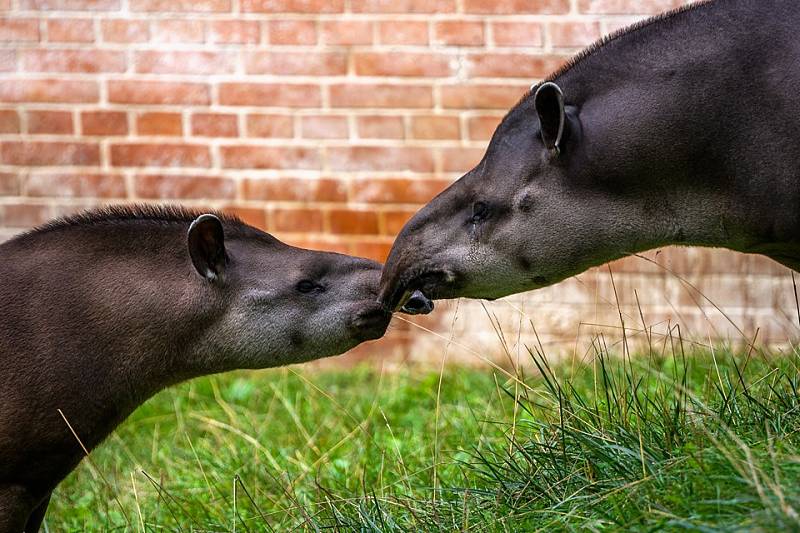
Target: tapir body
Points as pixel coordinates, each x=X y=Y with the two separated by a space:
x=683 y=129
x=102 y=310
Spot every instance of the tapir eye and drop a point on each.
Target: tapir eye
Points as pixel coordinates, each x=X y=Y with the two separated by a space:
x=306 y=286
x=480 y=211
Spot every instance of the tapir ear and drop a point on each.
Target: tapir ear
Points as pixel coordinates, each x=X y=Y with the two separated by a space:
x=549 y=103
x=207 y=246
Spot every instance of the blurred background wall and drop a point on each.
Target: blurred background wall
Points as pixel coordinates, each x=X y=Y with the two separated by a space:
x=328 y=123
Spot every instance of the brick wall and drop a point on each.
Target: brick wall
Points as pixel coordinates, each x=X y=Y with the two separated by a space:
x=327 y=123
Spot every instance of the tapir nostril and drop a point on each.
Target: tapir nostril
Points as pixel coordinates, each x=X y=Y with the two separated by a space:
x=417 y=304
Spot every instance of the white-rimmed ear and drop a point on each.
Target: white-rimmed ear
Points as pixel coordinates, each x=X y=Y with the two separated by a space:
x=549 y=104
x=206 y=242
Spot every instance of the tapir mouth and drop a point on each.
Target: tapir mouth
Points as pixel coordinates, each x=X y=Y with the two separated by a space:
x=432 y=284
x=371 y=323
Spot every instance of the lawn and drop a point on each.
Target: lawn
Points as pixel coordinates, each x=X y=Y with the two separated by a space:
x=665 y=440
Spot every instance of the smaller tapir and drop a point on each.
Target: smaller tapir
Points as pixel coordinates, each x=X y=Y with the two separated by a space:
x=102 y=310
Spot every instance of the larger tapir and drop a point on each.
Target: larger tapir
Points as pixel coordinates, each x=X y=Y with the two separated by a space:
x=102 y=310
x=683 y=129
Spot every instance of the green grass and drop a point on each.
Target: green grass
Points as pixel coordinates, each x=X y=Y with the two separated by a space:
x=671 y=441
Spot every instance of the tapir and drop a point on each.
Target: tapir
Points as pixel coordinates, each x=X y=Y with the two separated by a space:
x=682 y=129
x=103 y=309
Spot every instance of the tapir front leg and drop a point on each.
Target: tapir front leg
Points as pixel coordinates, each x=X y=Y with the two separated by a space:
x=16 y=505
x=37 y=516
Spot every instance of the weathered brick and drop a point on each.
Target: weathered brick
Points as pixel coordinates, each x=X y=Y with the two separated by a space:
x=371 y=95
x=19 y=30
x=461 y=159
x=323 y=127
x=403 y=32
x=67 y=91
x=159 y=155
x=184 y=187
x=293 y=6
x=71 y=5
x=482 y=127
x=295 y=220
x=24 y=215
x=34 y=154
x=178 y=31
x=403 y=6
x=8 y=60
x=234 y=31
x=215 y=125
x=499 y=65
x=125 y=31
x=9 y=184
x=52 y=122
x=9 y=121
x=627 y=7
x=352 y=222
x=270 y=94
x=517 y=33
x=70 y=30
x=157 y=92
x=459 y=32
x=270 y=126
x=377 y=251
x=292 y=32
x=181 y=6
x=74 y=185
x=295 y=190
x=403 y=64
x=89 y=61
x=276 y=157
x=104 y=123
x=573 y=34
x=396 y=190
x=435 y=127
x=377 y=158
x=482 y=96
x=159 y=124
x=296 y=63
x=395 y=219
x=179 y=62
x=380 y=127
x=346 y=32
x=511 y=7
x=252 y=216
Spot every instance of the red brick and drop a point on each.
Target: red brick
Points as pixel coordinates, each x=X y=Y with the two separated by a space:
x=215 y=125
x=166 y=6
x=296 y=220
x=277 y=157
x=517 y=33
x=403 y=6
x=251 y=216
x=70 y=30
x=482 y=96
x=159 y=124
x=494 y=65
x=459 y=32
x=270 y=94
x=627 y=7
x=350 y=222
x=481 y=128
x=157 y=92
x=5 y=5
x=67 y=91
x=178 y=31
x=172 y=62
x=380 y=127
x=8 y=60
x=346 y=32
x=54 y=122
x=292 y=32
x=295 y=190
x=89 y=61
x=396 y=191
x=376 y=158
x=104 y=123
x=71 y=5
x=435 y=127
x=24 y=215
x=316 y=244
x=377 y=251
x=403 y=32
x=234 y=32
x=368 y=95
x=573 y=34
x=461 y=159
x=184 y=187
x=293 y=6
x=9 y=121
x=511 y=7
x=394 y=220
x=75 y=185
x=19 y=30
x=9 y=184
x=270 y=126
x=402 y=64
x=297 y=63
x=48 y=153
x=125 y=31
x=324 y=127
x=159 y=155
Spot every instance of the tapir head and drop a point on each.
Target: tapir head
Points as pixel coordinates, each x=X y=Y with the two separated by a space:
x=275 y=304
x=539 y=207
